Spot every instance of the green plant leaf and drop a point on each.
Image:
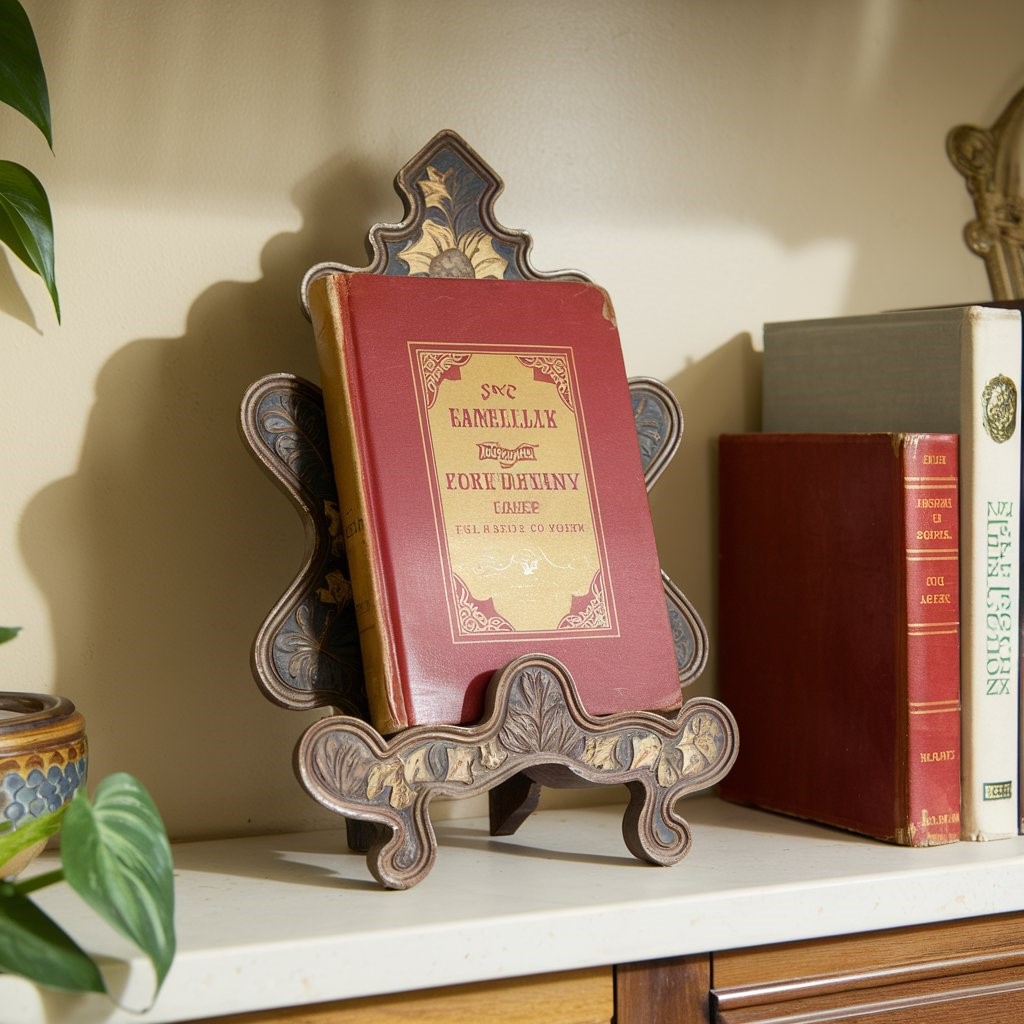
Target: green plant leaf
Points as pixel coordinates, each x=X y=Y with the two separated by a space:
x=8 y=633
x=34 y=946
x=26 y=225
x=15 y=840
x=22 y=79
x=117 y=858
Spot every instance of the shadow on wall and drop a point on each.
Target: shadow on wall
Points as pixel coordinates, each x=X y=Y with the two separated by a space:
x=719 y=393
x=13 y=300
x=163 y=553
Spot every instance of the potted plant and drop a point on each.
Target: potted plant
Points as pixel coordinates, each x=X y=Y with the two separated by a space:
x=115 y=855
x=114 y=849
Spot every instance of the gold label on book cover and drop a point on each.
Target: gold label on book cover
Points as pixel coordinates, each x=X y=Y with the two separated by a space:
x=999 y=408
x=518 y=524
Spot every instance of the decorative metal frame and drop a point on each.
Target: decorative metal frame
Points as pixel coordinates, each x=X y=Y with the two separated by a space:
x=989 y=160
x=534 y=731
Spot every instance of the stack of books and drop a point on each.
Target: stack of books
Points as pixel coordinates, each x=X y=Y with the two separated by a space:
x=869 y=627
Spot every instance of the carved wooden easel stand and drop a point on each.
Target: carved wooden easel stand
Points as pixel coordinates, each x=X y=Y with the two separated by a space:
x=533 y=726
x=534 y=731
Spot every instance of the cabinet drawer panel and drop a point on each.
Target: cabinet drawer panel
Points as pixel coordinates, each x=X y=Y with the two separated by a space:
x=873 y=958
x=991 y=997
x=573 y=997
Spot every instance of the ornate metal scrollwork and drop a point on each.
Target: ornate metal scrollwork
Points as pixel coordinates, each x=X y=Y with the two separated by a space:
x=990 y=161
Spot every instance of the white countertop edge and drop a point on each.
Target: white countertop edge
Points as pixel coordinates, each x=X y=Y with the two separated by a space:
x=266 y=922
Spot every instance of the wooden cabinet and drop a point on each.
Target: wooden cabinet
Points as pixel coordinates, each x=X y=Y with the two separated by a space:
x=966 y=970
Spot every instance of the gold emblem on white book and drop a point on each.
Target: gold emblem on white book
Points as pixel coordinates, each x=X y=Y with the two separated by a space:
x=999 y=408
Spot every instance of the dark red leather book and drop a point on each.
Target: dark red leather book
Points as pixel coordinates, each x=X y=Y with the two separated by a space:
x=839 y=629
x=493 y=495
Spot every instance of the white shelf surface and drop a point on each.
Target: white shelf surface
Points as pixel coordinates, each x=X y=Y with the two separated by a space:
x=296 y=919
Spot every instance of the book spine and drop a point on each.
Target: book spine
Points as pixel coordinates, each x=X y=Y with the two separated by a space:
x=339 y=378
x=990 y=476
x=931 y=544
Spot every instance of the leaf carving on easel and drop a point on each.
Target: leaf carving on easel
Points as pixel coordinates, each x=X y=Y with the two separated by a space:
x=460 y=762
x=297 y=433
x=651 y=426
x=341 y=764
x=538 y=720
x=698 y=750
x=390 y=775
x=492 y=756
x=303 y=649
x=601 y=752
x=316 y=650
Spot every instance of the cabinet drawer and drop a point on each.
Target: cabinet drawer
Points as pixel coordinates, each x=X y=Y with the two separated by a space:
x=964 y=970
x=572 y=997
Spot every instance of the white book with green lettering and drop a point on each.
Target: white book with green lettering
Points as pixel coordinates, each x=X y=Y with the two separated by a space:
x=952 y=370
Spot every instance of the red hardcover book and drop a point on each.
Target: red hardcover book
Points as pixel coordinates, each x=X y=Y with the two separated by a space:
x=493 y=495
x=839 y=629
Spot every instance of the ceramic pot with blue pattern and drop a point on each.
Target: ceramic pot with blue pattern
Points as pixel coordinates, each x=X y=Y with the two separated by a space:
x=43 y=761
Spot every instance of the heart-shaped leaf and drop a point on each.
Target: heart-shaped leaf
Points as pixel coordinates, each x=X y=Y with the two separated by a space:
x=8 y=633
x=117 y=858
x=32 y=945
x=22 y=80
x=26 y=225
x=13 y=841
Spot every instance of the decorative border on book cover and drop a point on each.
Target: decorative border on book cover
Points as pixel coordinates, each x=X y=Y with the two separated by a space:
x=515 y=509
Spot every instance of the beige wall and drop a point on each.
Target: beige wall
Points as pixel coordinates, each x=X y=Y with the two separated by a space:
x=713 y=163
